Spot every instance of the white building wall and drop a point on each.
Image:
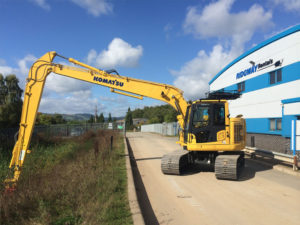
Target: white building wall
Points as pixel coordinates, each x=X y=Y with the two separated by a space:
x=266 y=102
x=292 y=109
x=286 y=49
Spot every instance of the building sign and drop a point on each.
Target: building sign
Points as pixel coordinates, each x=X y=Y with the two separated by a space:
x=265 y=64
x=254 y=68
x=246 y=72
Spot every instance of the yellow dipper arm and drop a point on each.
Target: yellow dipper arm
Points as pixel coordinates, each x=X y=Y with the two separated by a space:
x=118 y=84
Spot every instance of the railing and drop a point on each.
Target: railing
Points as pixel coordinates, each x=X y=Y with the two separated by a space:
x=289 y=159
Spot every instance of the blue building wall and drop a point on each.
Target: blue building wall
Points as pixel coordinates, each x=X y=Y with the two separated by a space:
x=289 y=73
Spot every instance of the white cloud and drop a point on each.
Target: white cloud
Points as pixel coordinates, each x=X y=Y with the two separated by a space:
x=69 y=104
x=21 y=71
x=289 y=5
x=119 y=53
x=84 y=102
x=119 y=99
x=63 y=85
x=5 y=70
x=95 y=7
x=194 y=76
x=216 y=21
x=92 y=56
x=23 y=64
x=42 y=3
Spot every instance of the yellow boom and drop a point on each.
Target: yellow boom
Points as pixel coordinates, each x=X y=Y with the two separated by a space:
x=118 y=84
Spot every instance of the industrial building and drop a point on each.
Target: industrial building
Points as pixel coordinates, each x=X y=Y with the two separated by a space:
x=268 y=77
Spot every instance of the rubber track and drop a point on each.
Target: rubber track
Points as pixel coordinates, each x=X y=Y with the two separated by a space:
x=227 y=167
x=174 y=162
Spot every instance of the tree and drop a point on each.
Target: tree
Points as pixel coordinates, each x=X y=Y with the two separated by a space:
x=14 y=91
x=91 y=119
x=48 y=119
x=101 y=119
x=3 y=90
x=58 y=119
x=109 y=118
x=170 y=116
x=156 y=114
x=138 y=113
x=10 y=101
x=128 y=120
x=43 y=119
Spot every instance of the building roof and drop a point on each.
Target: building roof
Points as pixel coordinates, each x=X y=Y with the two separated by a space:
x=257 y=47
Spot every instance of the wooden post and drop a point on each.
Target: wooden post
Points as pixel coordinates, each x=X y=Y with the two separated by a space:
x=111 y=142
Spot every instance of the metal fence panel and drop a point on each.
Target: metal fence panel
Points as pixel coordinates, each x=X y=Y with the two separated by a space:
x=170 y=129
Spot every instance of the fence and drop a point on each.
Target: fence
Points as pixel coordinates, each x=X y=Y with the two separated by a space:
x=66 y=130
x=7 y=140
x=170 y=129
x=7 y=135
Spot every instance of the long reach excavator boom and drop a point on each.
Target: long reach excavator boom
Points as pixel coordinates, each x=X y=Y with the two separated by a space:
x=118 y=84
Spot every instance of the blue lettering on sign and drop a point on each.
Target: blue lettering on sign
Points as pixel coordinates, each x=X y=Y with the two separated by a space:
x=107 y=81
x=246 y=72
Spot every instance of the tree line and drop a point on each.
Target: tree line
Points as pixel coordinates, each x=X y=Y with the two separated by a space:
x=10 y=101
x=154 y=114
x=100 y=118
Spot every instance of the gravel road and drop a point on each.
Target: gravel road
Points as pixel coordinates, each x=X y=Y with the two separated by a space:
x=262 y=196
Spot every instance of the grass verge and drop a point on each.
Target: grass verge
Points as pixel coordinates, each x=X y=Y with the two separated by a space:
x=74 y=181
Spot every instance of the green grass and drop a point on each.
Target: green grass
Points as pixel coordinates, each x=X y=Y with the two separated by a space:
x=76 y=181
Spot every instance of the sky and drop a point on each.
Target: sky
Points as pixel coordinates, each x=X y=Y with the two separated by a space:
x=179 y=42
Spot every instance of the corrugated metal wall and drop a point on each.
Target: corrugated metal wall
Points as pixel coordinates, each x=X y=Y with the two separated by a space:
x=170 y=129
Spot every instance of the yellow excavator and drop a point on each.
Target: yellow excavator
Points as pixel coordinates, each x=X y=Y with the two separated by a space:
x=207 y=132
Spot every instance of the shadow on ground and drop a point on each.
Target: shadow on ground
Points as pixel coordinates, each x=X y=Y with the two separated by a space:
x=143 y=199
x=151 y=158
x=251 y=168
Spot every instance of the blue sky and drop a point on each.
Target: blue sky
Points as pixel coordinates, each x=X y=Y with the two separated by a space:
x=179 y=42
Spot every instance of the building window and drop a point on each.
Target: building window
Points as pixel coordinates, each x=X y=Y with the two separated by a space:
x=275 y=76
x=241 y=86
x=275 y=124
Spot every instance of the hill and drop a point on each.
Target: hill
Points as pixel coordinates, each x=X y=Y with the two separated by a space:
x=77 y=116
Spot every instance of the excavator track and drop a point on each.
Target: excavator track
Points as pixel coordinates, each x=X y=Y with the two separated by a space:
x=174 y=162
x=228 y=167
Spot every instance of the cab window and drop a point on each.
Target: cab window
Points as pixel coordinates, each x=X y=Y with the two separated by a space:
x=219 y=115
x=200 y=116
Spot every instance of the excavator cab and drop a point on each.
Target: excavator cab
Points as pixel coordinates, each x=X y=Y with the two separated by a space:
x=207 y=119
x=204 y=120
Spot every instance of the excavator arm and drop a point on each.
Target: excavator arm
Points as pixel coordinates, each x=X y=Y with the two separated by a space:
x=119 y=84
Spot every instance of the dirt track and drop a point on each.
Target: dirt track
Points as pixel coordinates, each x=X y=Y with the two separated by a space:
x=263 y=196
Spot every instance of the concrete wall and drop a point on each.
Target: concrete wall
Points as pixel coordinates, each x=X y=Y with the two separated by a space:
x=170 y=129
x=274 y=143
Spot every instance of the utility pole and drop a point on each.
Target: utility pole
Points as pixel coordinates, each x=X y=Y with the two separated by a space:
x=96 y=113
